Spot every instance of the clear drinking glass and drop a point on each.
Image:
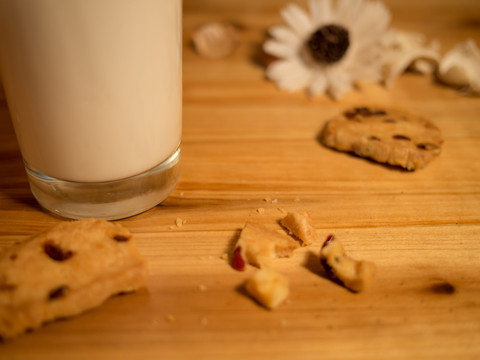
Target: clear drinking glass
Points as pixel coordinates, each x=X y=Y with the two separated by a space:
x=94 y=89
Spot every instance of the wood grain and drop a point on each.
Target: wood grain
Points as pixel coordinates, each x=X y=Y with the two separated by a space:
x=244 y=141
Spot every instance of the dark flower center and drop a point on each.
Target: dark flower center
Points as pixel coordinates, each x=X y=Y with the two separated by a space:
x=329 y=43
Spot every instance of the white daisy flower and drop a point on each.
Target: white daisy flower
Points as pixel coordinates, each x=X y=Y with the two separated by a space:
x=328 y=49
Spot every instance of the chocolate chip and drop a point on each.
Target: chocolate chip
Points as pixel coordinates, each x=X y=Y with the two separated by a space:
x=13 y=257
x=353 y=118
x=349 y=114
x=427 y=146
x=363 y=111
x=374 y=138
x=121 y=238
x=56 y=253
x=7 y=287
x=58 y=292
x=401 y=137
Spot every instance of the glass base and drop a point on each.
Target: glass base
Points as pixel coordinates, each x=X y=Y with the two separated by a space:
x=109 y=200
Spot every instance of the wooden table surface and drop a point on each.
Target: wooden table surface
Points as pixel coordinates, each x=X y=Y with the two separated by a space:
x=245 y=143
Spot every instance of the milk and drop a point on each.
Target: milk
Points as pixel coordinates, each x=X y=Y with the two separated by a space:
x=93 y=86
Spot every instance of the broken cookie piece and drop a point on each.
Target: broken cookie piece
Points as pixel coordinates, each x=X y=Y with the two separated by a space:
x=299 y=224
x=268 y=287
x=353 y=274
x=65 y=271
x=258 y=245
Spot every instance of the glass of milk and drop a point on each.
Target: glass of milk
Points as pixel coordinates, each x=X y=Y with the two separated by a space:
x=94 y=89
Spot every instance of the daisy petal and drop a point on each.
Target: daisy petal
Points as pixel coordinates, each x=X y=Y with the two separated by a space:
x=318 y=85
x=321 y=11
x=289 y=75
x=403 y=50
x=278 y=49
x=371 y=23
x=284 y=35
x=348 y=10
x=422 y=66
x=339 y=82
x=461 y=66
x=297 y=19
x=404 y=60
x=369 y=70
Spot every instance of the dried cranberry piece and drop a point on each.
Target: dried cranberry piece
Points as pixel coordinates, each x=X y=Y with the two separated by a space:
x=238 y=263
x=55 y=252
x=328 y=240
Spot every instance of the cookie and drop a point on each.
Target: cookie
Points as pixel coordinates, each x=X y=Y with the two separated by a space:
x=259 y=245
x=64 y=271
x=384 y=135
x=353 y=274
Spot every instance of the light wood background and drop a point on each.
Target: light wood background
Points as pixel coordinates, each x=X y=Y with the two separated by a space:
x=245 y=141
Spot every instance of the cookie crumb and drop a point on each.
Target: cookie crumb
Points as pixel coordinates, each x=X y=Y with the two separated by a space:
x=261 y=210
x=179 y=222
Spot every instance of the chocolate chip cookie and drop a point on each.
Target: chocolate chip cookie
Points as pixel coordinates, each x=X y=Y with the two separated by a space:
x=385 y=135
x=65 y=271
